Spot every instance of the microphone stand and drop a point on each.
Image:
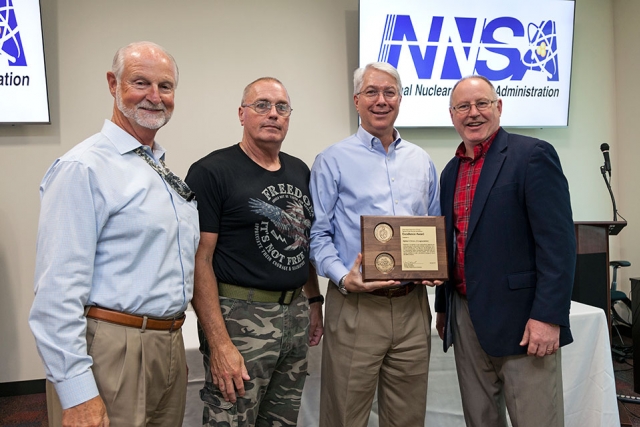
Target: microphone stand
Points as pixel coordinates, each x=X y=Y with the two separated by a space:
x=603 y=171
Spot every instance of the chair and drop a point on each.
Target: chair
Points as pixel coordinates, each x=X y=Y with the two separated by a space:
x=618 y=296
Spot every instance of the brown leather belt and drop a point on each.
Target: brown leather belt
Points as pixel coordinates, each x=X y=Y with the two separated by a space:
x=394 y=292
x=133 y=321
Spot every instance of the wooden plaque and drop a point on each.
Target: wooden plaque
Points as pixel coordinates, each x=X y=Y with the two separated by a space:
x=403 y=248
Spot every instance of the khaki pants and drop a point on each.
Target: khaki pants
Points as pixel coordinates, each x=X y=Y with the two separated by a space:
x=373 y=340
x=141 y=376
x=530 y=387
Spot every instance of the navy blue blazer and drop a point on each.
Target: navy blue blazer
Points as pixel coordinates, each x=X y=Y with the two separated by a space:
x=520 y=251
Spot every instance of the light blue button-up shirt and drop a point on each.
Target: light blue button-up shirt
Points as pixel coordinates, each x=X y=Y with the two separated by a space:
x=111 y=233
x=357 y=177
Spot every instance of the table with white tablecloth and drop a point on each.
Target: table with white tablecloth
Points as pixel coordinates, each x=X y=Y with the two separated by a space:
x=587 y=374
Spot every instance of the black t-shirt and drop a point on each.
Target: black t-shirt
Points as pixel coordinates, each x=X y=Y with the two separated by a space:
x=262 y=218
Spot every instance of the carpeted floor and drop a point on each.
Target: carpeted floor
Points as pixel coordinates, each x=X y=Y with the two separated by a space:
x=31 y=410
x=24 y=411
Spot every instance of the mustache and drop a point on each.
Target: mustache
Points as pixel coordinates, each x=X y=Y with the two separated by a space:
x=151 y=106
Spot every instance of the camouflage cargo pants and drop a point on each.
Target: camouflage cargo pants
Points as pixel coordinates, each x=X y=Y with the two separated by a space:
x=273 y=340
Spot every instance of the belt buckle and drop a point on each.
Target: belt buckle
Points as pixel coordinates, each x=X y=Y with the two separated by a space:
x=284 y=295
x=391 y=293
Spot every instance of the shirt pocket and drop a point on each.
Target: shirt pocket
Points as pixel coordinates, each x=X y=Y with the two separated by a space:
x=417 y=185
x=416 y=191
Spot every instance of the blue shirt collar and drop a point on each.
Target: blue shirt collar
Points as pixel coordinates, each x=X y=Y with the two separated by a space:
x=125 y=142
x=371 y=142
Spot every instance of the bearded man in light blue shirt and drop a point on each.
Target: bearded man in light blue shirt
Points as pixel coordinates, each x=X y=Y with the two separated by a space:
x=115 y=259
x=378 y=332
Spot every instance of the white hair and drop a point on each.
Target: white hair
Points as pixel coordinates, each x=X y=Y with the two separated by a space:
x=358 y=75
x=117 y=66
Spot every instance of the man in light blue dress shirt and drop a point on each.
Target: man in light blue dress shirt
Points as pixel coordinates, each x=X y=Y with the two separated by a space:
x=115 y=259
x=376 y=333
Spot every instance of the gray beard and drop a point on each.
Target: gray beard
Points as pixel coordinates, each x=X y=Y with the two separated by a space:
x=140 y=116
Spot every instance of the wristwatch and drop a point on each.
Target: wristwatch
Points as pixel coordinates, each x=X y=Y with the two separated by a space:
x=341 y=287
x=318 y=298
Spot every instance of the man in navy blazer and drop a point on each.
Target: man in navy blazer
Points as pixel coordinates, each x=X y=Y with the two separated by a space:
x=512 y=255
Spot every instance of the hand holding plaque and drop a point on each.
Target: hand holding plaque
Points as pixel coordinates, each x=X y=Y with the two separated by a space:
x=403 y=248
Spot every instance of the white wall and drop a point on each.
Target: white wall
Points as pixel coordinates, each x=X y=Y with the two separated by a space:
x=311 y=46
x=627 y=70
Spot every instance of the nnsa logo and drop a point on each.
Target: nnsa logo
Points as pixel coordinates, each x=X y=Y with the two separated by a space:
x=11 y=50
x=455 y=47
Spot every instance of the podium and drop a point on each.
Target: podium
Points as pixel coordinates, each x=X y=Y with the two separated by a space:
x=592 y=284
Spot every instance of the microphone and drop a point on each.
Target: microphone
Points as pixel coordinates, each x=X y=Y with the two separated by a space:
x=605 y=152
x=613 y=228
x=603 y=170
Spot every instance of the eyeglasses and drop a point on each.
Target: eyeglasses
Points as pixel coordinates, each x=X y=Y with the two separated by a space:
x=389 y=94
x=263 y=107
x=481 y=105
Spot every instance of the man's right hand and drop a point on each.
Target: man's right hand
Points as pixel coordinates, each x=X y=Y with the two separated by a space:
x=354 y=283
x=91 y=413
x=228 y=371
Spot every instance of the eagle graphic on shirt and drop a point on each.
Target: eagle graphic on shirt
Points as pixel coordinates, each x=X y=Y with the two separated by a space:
x=290 y=222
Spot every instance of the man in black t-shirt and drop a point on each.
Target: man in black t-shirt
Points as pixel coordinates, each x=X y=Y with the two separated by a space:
x=254 y=323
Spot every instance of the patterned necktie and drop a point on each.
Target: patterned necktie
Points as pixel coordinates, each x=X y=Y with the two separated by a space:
x=170 y=178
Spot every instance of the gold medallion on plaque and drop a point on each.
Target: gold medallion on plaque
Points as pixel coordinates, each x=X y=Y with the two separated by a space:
x=403 y=248
x=383 y=232
x=385 y=263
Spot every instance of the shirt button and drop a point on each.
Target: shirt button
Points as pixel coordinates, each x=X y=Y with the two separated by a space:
x=396 y=202
x=393 y=179
x=473 y=163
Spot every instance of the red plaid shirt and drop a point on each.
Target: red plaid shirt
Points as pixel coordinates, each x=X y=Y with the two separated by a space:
x=468 y=175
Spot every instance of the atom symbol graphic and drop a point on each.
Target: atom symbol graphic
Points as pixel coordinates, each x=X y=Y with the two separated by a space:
x=542 y=55
x=10 y=43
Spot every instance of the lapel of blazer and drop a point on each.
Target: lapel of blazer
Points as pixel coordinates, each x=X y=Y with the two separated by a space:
x=449 y=192
x=490 y=169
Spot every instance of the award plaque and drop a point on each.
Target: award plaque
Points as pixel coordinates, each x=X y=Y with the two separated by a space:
x=403 y=248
